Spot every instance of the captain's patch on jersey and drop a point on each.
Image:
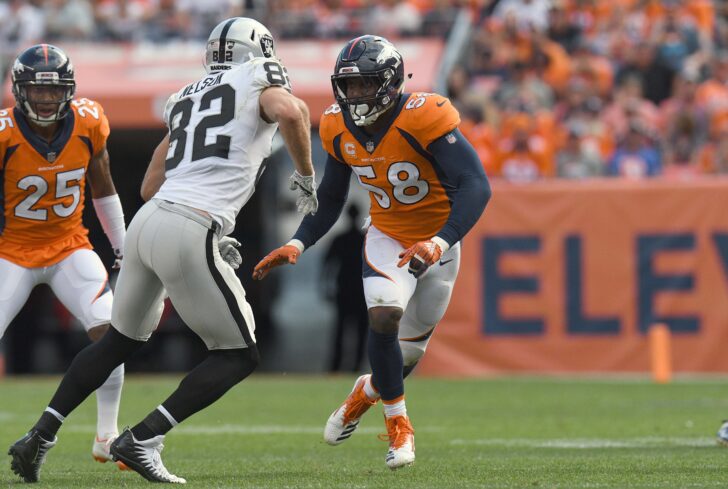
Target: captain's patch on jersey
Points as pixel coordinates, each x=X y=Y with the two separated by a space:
x=450 y=138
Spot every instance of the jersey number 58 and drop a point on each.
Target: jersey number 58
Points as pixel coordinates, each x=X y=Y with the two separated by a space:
x=407 y=188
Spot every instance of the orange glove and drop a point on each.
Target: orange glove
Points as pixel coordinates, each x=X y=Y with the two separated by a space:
x=286 y=254
x=420 y=257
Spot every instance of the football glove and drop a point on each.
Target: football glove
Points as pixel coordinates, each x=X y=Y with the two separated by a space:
x=119 y=254
x=286 y=254
x=228 y=251
x=421 y=256
x=306 y=202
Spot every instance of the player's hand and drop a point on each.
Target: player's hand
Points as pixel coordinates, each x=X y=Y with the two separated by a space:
x=119 y=254
x=228 y=251
x=420 y=256
x=306 y=202
x=287 y=254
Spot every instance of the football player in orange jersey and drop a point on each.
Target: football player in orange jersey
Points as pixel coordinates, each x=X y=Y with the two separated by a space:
x=50 y=146
x=427 y=189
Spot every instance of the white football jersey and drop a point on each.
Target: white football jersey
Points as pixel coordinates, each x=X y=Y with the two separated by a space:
x=218 y=140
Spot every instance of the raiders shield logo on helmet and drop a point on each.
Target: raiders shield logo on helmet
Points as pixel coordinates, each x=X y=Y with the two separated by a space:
x=266 y=44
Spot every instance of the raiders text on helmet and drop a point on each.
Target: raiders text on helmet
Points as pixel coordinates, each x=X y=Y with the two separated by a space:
x=46 y=66
x=237 y=40
x=376 y=63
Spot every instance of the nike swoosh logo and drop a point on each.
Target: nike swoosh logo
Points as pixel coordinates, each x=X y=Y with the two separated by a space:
x=440 y=104
x=443 y=263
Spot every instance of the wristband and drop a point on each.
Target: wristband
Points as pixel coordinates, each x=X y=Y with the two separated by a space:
x=441 y=243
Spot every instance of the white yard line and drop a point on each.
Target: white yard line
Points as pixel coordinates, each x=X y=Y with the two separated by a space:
x=5 y=416
x=591 y=443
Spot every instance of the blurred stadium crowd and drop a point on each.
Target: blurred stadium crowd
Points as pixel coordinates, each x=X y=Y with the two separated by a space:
x=582 y=88
x=567 y=88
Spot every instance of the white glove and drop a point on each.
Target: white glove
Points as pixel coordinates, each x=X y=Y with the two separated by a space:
x=228 y=251
x=307 y=202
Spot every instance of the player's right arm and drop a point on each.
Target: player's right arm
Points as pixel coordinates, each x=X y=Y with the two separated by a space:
x=154 y=177
x=332 y=194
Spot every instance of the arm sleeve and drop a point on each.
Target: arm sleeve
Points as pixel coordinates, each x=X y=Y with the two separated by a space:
x=462 y=167
x=332 y=194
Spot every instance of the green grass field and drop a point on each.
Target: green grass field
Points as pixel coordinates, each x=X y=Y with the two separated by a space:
x=503 y=433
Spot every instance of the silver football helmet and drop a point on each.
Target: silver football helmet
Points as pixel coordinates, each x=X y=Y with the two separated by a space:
x=237 y=40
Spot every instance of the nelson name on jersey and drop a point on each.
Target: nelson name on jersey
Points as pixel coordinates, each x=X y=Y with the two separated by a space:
x=209 y=81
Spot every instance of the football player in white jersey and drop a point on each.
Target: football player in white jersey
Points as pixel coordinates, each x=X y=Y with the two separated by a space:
x=200 y=176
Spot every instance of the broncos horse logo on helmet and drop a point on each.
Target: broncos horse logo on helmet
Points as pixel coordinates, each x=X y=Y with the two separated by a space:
x=374 y=61
x=43 y=66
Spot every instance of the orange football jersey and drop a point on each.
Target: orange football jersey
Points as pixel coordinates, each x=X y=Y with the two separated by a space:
x=408 y=195
x=42 y=184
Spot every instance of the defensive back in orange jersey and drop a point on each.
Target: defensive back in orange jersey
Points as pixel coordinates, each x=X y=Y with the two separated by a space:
x=407 y=190
x=43 y=184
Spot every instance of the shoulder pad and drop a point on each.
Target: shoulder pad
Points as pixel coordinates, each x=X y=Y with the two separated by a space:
x=332 y=115
x=428 y=116
x=90 y=116
x=331 y=125
x=89 y=112
x=168 y=106
x=269 y=72
x=7 y=125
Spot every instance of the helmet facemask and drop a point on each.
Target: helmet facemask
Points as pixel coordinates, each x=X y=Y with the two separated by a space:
x=373 y=93
x=44 y=102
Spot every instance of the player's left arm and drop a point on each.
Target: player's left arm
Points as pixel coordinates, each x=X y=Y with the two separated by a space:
x=106 y=202
x=462 y=168
x=458 y=160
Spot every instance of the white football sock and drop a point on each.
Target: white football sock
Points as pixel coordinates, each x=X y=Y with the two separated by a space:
x=369 y=389
x=167 y=415
x=107 y=402
x=395 y=409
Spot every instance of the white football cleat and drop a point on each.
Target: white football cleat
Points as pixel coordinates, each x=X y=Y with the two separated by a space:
x=401 y=437
x=144 y=457
x=342 y=422
x=100 y=450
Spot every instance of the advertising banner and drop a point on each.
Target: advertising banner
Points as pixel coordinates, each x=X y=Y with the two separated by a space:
x=569 y=277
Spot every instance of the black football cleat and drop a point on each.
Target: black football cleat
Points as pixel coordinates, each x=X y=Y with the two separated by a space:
x=28 y=454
